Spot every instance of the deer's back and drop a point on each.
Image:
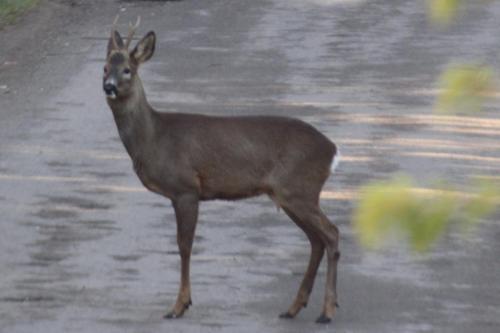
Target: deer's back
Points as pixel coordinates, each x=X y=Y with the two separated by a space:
x=238 y=157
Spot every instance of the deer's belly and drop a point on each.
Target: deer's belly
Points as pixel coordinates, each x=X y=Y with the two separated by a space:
x=230 y=189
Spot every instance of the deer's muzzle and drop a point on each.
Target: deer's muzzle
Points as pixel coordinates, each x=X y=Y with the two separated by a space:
x=110 y=89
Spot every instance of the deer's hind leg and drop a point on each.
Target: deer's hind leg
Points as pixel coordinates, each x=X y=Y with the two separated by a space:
x=305 y=211
x=317 y=252
x=331 y=239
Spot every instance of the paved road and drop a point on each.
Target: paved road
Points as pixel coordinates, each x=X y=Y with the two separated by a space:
x=83 y=248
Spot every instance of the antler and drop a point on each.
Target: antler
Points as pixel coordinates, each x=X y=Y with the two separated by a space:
x=116 y=21
x=131 y=31
x=113 y=29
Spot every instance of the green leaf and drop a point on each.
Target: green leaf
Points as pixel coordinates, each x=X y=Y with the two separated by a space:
x=443 y=11
x=464 y=89
x=394 y=208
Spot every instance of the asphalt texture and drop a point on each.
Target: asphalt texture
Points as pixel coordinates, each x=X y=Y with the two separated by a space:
x=84 y=248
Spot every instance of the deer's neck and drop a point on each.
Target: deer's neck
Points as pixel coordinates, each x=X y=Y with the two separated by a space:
x=134 y=119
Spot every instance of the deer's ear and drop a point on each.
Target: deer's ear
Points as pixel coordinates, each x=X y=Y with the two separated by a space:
x=144 y=49
x=115 y=42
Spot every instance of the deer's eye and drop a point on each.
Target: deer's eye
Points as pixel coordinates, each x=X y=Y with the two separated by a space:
x=105 y=69
x=126 y=71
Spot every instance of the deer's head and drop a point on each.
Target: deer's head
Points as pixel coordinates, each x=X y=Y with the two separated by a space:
x=120 y=71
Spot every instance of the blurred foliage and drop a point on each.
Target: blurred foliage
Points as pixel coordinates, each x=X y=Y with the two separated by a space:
x=443 y=11
x=9 y=9
x=395 y=208
x=464 y=88
x=483 y=203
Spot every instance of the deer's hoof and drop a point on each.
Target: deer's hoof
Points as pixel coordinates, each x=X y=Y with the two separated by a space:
x=323 y=319
x=172 y=315
x=286 y=315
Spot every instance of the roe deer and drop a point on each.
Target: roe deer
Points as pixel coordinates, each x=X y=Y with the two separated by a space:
x=190 y=158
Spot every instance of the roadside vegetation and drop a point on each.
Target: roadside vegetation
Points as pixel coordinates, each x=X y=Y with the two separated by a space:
x=10 y=9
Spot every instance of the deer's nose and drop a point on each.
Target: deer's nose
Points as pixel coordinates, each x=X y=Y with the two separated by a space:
x=109 y=88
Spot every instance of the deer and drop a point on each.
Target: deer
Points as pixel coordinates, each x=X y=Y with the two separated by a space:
x=191 y=158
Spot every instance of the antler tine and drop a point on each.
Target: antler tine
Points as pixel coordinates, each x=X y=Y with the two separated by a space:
x=113 y=29
x=116 y=21
x=131 y=31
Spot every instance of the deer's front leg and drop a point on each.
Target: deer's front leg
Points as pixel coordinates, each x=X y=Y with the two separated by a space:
x=186 y=212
